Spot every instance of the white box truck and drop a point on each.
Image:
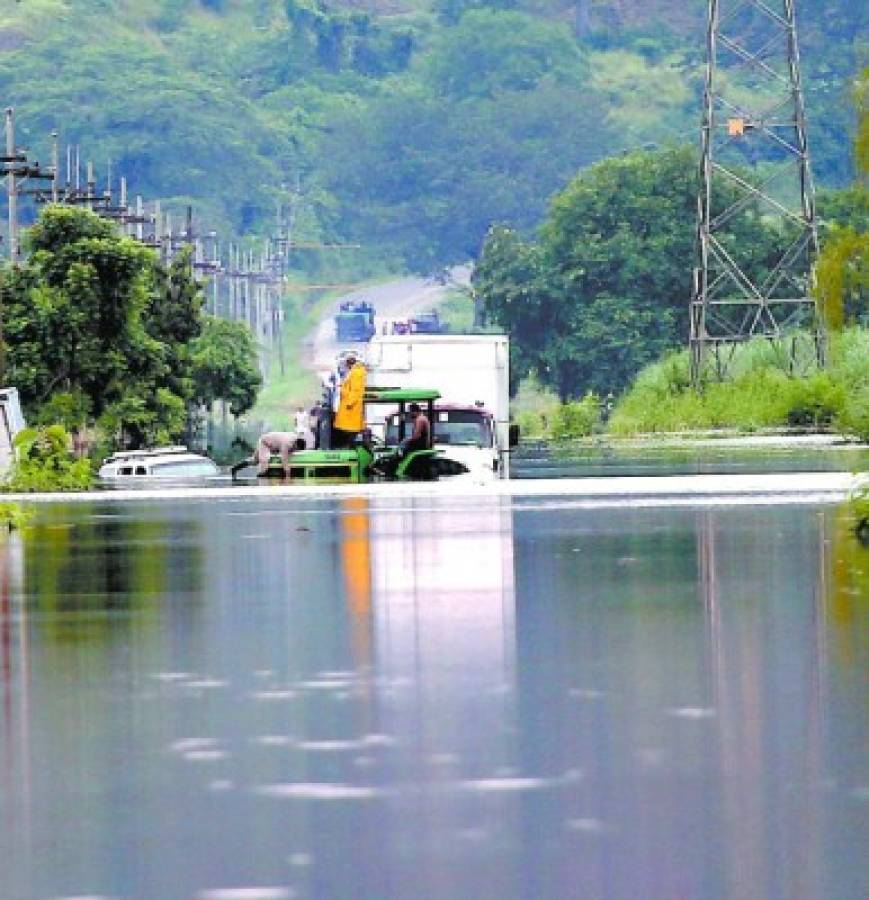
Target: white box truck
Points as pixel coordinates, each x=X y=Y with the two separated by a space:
x=472 y=374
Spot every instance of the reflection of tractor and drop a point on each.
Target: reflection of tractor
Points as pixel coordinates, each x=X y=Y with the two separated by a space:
x=426 y=323
x=354 y=321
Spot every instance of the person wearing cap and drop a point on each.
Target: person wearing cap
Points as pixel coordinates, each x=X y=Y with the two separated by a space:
x=350 y=417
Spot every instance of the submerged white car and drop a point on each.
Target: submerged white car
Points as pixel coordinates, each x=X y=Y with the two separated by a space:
x=162 y=464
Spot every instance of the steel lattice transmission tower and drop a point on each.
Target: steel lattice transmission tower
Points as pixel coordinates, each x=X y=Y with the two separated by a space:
x=753 y=118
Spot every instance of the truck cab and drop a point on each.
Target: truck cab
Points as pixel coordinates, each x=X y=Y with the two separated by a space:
x=466 y=433
x=354 y=321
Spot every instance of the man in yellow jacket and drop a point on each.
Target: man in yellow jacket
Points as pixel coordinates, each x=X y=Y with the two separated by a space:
x=350 y=417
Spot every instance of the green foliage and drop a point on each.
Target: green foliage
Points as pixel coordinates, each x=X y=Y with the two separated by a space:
x=145 y=418
x=71 y=409
x=604 y=290
x=97 y=329
x=761 y=394
x=224 y=365
x=44 y=463
x=184 y=96
x=842 y=278
x=842 y=270
x=540 y=414
x=533 y=408
x=576 y=419
x=424 y=170
x=72 y=311
x=850 y=367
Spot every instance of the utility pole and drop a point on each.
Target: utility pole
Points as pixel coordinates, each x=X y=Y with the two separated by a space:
x=11 y=161
x=55 y=168
x=756 y=113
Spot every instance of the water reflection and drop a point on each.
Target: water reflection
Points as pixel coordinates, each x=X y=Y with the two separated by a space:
x=432 y=697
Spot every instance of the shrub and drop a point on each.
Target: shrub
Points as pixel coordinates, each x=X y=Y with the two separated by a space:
x=762 y=392
x=45 y=463
x=576 y=419
x=854 y=416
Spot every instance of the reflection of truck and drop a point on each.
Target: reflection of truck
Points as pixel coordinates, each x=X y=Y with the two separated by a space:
x=354 y=321
x=472 y=375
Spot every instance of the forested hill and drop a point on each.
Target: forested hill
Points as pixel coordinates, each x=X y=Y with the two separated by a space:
x=406 y=125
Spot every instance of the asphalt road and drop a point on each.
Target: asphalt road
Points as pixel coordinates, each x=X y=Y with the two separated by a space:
x=398 y=299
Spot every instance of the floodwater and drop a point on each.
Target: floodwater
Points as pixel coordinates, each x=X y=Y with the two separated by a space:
x=245 y=699
x=717 y=456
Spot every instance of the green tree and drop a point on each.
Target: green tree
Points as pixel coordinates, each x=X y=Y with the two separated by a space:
x=500 y=112
x=605 y=289
x=842 y=271
x=224 y=365
x=96 y=329
x=72 y=312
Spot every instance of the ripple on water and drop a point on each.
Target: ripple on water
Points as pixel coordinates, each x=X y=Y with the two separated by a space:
x=329 y=746
x=190 y=745
x=585 y=694
x=205 y=755
x=317 y=791
x=505 y=785
x=85 y=897
x=273 y=740
x=587 y=826
x=692 y=712
x=275 y=694
x=327 y=684
x=247 y=893
x=206 y=684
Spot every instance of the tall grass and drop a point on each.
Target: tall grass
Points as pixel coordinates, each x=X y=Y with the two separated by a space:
x=761 y=392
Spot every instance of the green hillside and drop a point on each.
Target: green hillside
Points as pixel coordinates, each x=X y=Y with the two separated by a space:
x=406 y=125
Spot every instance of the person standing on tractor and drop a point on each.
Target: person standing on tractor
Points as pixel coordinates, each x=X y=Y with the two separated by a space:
x=350 y=417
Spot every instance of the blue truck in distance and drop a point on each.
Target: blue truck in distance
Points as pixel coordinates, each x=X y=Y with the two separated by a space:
x=354 y=321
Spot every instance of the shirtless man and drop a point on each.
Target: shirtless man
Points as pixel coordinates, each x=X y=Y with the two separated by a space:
x=282 y=442
x=418 y=439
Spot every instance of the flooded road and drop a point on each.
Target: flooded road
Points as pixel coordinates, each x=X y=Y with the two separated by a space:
x=432 y=697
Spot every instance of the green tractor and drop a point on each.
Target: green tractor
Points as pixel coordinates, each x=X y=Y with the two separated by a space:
x=368 y=459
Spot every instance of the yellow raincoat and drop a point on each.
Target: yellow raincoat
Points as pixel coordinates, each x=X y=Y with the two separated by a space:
x=350 y=415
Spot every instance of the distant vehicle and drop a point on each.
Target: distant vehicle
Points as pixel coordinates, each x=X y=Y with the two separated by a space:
x=426 y=323
x=354 y=321
x=131 y=468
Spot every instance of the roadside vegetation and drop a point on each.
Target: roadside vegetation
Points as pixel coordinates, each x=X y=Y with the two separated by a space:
x=290 y=382
x=44 y=462
x=101 y=338
x=761 y=394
